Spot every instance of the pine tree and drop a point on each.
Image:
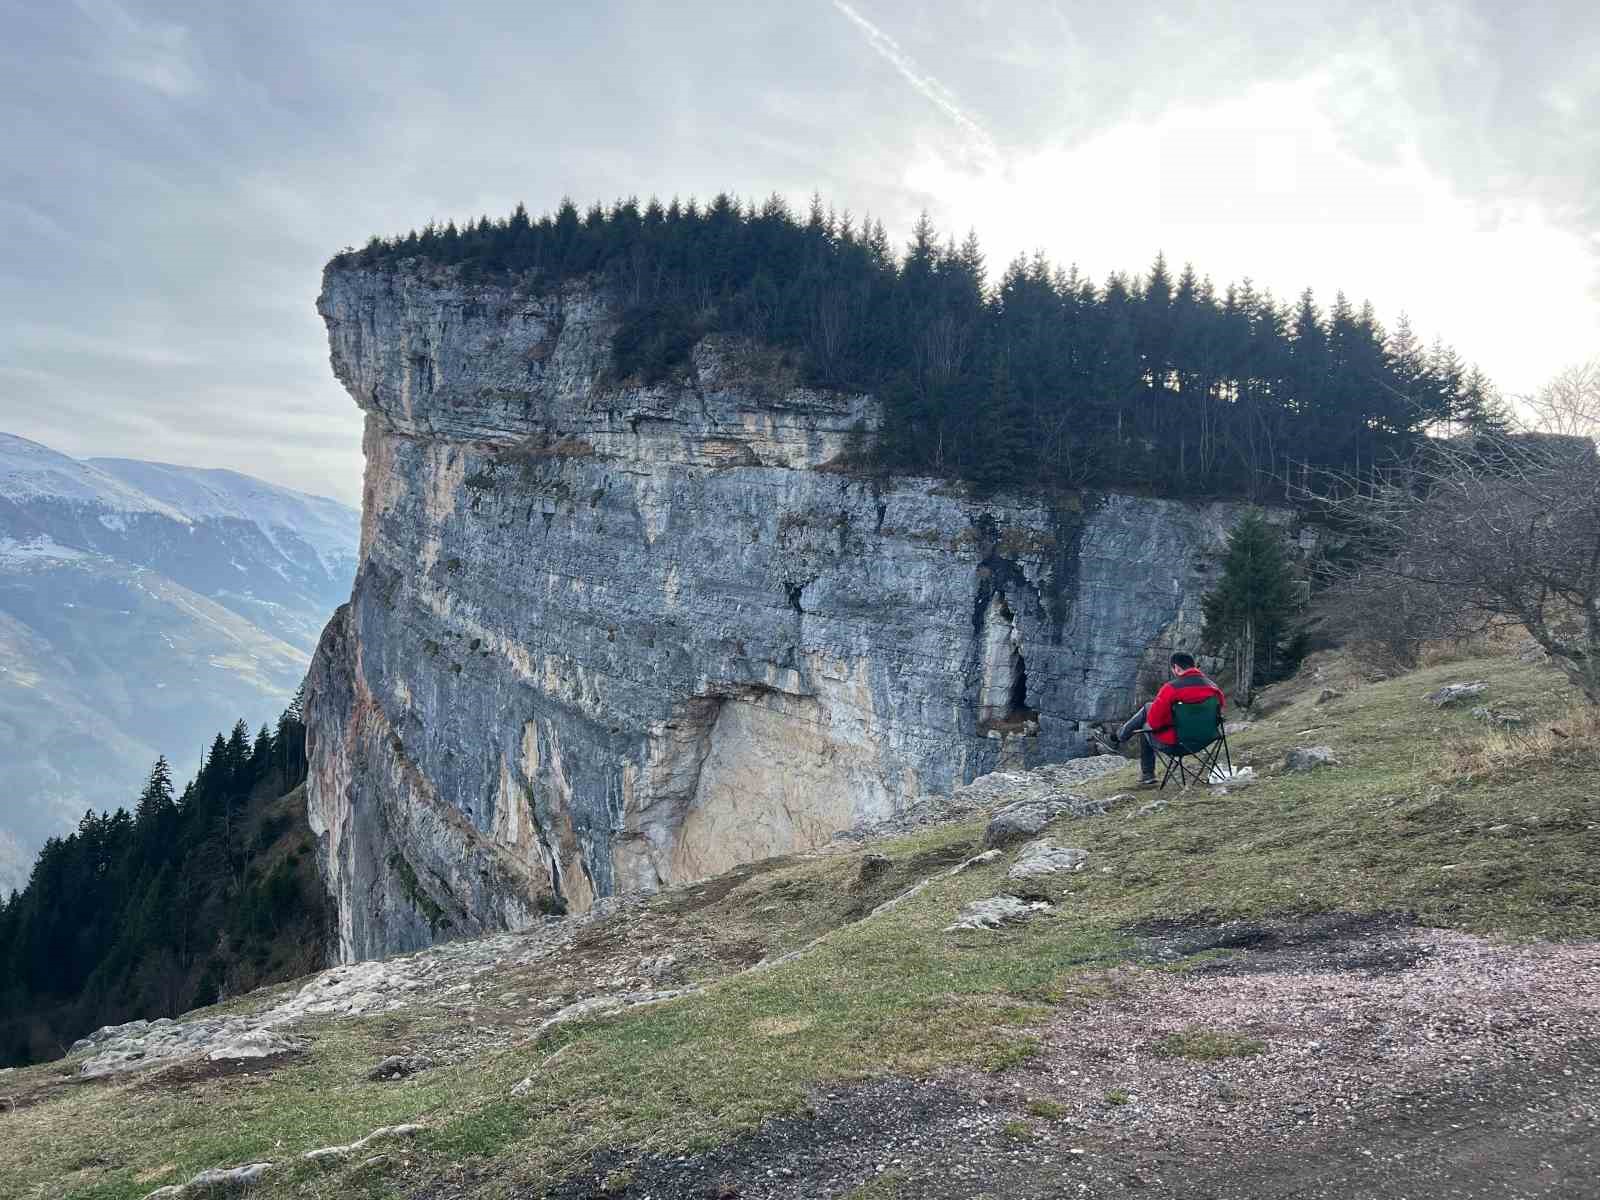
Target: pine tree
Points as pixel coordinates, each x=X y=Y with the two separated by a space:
x=1251 y=608
x=156 y=799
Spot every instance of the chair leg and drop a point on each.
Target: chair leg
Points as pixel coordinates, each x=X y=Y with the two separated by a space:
x=1167 y=774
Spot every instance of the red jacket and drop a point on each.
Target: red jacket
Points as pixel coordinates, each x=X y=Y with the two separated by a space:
x=1188 y=688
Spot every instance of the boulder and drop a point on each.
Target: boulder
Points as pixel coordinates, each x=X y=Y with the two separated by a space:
x=1017 y=823
x=387 y=1133
x=1455 y=693
x=1041 y=858
x=256 y=1043
x=1024 y=819
x=1308 y=758
x=995 y=912
x=399 y=1066
x=977 y=860
x=214 y=1182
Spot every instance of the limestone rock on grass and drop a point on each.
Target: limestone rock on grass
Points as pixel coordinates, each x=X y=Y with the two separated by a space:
x=214 y=1182
x=995 y=912
x=1455 y=693
x=1041 y=858
x=386 y=1133
x=1309 y=758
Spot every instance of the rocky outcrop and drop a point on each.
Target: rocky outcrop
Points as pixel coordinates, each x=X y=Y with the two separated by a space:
x=605 y=637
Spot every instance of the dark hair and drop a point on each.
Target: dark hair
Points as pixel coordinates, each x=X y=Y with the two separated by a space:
x=1182 y=661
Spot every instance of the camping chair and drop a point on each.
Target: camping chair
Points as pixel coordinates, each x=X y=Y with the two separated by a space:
x=1201 y=744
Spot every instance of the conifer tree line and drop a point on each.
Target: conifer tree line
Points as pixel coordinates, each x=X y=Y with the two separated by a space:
x=1047 y=379
x=188 y=897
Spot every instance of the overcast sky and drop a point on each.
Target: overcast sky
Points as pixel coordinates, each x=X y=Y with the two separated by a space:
x=175 y=175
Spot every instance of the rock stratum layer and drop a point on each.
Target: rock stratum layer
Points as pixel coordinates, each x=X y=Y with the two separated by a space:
x=607 y=637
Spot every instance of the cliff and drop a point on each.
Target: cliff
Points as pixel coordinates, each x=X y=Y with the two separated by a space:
x=606 y=637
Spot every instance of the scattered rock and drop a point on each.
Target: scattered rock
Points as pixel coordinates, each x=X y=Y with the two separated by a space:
x=995 y=912
x=659 y=968
x=7 y=1104
x=1017 y=822
x=1042 y=858
x=523 y=1088
x=254 y=1043
x=387 y=1133
x=1502 y=830
x=1505 y=720
x=596 y=1006
x=1150 y=809
x=1328 y=695
x=1530 y=652
x=977 y=860
x=214 y=1182
x=1026 y=819
x=1308 y=758
x=398 y=1066
x=1454 y=693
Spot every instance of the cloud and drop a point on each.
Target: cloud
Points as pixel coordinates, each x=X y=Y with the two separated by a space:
x=940 y=96
x=176 y=175
x=156 y=55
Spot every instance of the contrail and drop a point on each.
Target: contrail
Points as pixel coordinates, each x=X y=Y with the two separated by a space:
x=902 y=62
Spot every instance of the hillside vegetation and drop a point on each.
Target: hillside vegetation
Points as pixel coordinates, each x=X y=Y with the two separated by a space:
x=150 y=912
x=1432 y=820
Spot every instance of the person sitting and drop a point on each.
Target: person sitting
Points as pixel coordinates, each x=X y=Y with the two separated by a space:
x=1188 y=685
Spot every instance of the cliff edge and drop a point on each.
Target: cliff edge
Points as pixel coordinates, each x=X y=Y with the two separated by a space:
x=607 y=637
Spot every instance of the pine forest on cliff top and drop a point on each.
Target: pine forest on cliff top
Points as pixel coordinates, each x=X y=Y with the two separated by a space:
x=1046 y=381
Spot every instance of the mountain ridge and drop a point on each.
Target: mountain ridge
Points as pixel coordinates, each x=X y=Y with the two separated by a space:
x=142 y=604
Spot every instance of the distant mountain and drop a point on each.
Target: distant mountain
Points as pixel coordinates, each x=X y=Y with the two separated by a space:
x=142 y=606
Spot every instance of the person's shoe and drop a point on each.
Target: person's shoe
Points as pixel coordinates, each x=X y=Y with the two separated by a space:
x=1149 y=783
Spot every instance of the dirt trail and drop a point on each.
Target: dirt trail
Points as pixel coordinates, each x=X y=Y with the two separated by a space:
x=1389 y=1062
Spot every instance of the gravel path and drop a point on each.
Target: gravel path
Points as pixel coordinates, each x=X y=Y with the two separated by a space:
x=1393 y=1062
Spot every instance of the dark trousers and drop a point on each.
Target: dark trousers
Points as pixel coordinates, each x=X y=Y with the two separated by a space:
x=1147 y=742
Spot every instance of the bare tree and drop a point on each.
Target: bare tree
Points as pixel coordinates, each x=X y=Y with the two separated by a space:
x=1570 y=403
x=1487 y=529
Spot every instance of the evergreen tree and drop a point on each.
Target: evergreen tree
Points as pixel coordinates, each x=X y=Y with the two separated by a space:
x=1251 y=608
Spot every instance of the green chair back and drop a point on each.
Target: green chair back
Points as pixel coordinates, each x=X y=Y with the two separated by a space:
x=1197 y=725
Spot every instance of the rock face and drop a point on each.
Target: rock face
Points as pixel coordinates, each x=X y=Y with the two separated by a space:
x=605 y=637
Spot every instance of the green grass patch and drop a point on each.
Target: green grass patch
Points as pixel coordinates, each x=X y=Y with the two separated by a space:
x=1207 y=1045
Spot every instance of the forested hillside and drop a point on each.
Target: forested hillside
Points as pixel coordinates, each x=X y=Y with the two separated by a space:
x=1048 y=379
x=182 y=901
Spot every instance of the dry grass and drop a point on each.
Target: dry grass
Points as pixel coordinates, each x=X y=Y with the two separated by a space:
x=1571 y=741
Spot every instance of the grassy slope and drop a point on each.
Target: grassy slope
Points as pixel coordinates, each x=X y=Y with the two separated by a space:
x=1394 y=828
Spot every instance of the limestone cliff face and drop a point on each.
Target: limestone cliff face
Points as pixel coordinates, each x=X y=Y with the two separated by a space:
x=606 y=637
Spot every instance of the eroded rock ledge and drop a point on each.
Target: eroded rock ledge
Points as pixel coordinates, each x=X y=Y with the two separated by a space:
x=606 y=638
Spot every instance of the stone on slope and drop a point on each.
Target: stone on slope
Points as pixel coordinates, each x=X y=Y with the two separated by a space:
x=387 y=1133
x=1455 y=693
x=214 y=1182
x=1308 y=758
x=1041 y=858
x=399 y=1066
x=1018 y=822
x=995 y=912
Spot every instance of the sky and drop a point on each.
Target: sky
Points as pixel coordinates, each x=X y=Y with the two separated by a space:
x=174 y=176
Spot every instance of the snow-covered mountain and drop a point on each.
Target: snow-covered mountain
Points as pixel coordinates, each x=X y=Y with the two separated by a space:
x=144 y=606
